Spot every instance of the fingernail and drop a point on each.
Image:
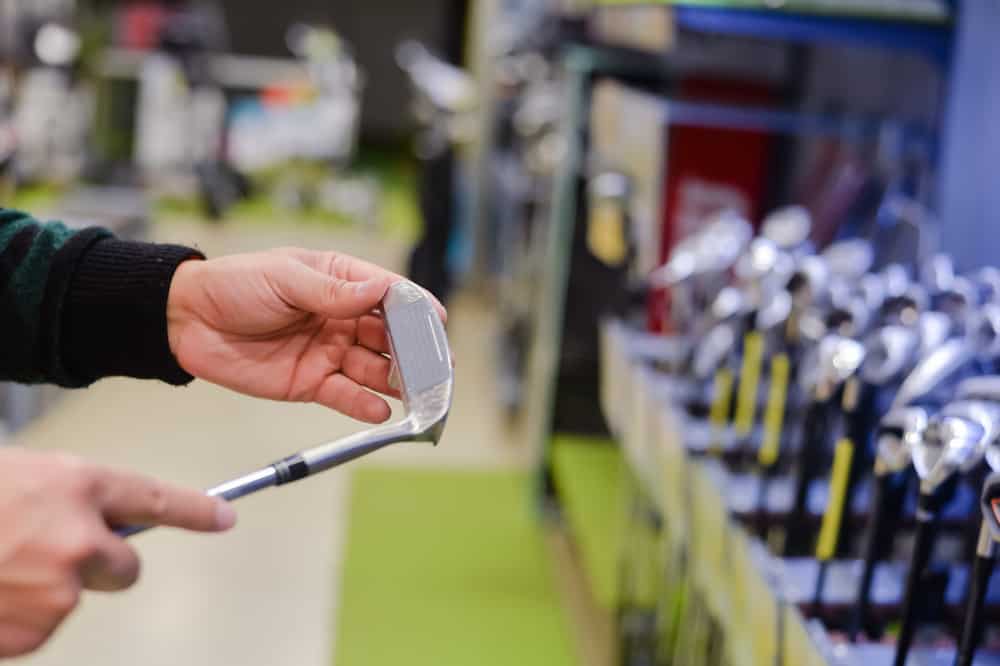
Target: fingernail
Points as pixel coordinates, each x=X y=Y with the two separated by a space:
x=225 y=516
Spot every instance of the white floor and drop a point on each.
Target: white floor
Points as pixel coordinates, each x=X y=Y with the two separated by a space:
x=266 y=593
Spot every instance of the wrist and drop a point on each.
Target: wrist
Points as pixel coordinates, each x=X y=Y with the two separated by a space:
x=179 y=314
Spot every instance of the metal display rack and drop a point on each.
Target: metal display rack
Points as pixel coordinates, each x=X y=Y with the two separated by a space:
x=710 y=570
x=922 y=27
x=928 y=33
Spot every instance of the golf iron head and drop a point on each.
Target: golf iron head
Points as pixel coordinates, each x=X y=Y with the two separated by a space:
x=423 y=374
x=898 y=432
x=933 y=371
x=950 y=444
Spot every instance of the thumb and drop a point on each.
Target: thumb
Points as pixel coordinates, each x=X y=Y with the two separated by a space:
x=311 y=291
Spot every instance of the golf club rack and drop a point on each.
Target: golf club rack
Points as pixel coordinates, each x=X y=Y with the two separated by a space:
x=812 y=449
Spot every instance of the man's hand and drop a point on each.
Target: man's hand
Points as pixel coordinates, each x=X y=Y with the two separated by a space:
x=55 y=512
x=287 y=324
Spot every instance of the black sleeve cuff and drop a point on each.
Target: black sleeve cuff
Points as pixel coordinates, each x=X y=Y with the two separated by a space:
x=115 y=313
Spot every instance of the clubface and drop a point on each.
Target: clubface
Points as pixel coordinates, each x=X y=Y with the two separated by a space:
x=421 y=358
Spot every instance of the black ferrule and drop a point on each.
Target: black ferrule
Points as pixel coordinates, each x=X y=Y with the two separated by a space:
x=290 y=469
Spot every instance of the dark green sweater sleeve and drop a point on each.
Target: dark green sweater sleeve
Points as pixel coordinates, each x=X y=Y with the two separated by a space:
x=79 y=306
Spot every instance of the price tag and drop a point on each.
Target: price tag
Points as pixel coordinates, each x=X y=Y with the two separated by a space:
x=774 y=412
x=826 y=545
x=746 y=400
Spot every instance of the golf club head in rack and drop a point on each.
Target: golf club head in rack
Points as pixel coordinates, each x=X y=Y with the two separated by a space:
x=897 y=434
x=951 y=444
x=698 y=265
x=934 y=372
x=985 y=389
x=987 y=281
x=713 y=248
x=895 y=437
x=849 y=259
x=982 y=568
x=422 y=371
x=789 y=229
x=825 y=371
x=984 y=332
x=891 y=351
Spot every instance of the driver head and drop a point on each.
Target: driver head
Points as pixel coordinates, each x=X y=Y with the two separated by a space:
x=422 y=368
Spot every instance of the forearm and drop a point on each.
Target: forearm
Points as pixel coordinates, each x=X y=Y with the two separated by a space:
x=76 y=307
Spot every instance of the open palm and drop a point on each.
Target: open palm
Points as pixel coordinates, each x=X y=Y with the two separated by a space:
x=286 y=324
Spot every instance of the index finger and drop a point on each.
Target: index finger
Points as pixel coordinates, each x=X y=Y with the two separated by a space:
x=131 y=499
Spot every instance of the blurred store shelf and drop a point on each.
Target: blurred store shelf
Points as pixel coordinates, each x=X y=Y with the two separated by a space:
x=921 y=27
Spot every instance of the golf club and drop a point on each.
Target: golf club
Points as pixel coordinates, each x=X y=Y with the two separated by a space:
x=931 y=377
x=982 y=569
x=950 y=445
x=986 y=389
x=702 y=256
x=423 y=372
x=789 y=228
x=835 y=360
x=897 y=433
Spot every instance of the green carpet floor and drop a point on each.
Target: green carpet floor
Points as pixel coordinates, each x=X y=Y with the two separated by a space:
x=447 y=568
x=589 y=476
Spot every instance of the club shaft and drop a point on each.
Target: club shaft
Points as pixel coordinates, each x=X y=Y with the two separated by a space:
x=875 y=529
x=299 y=466
x=817 y=423
x=229 y=491
x=982 y=569
x=333 y=454
x=923 y=545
